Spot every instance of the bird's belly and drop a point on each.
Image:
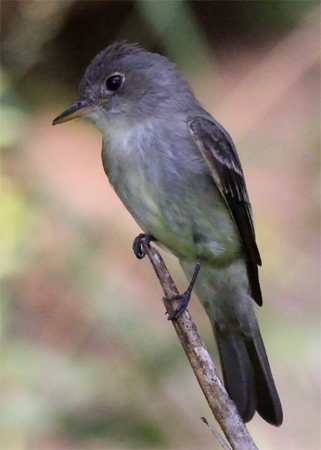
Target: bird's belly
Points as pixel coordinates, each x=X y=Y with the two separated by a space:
x=169 y=226
x=181 y=208
x=187 y=223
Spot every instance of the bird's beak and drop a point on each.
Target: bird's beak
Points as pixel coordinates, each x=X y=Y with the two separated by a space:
x=78 y=109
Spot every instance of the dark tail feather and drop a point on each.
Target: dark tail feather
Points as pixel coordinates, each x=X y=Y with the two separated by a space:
x=247 y=376
x=237 y=372
x=268 y=402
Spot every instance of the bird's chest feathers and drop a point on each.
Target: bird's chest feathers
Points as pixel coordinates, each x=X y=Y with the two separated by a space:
x=130 y=166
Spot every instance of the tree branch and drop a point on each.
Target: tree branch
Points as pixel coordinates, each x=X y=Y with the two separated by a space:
x=222 y=406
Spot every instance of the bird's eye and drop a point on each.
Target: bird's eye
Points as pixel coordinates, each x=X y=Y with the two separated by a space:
x=114 y=82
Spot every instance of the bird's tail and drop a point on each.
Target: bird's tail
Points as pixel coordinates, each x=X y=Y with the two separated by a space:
x=247 y=376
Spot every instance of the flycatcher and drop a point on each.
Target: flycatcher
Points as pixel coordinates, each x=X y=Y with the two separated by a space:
x=177 y=172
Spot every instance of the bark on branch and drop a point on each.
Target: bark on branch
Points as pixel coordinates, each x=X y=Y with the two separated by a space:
x=223 y=408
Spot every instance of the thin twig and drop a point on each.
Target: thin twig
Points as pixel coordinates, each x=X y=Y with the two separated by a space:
x=216 y=434
x=223 y=408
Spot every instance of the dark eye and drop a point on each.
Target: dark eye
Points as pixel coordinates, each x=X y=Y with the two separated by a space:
x=114 y=82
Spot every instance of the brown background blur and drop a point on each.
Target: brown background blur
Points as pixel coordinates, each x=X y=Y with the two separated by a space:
x=89 y=360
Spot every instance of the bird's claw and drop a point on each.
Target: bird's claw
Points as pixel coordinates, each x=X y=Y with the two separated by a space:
x=183 y=303
x=138 y=247
x=184 y=298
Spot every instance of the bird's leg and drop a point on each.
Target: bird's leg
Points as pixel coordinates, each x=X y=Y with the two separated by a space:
x=184 y=298
x=137 y=244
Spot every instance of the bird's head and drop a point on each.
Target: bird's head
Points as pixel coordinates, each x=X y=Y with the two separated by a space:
x=123 y=80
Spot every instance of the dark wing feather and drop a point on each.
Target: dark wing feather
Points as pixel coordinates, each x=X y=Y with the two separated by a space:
x=220 y=154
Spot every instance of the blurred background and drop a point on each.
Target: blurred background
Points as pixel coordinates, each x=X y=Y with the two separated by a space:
x=89 y=360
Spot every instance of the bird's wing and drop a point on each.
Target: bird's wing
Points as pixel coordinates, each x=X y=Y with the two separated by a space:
x=219 y=152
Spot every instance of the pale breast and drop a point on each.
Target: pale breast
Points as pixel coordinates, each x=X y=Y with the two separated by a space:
x=164 y=186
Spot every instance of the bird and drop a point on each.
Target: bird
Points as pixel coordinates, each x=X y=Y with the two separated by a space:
x=177 y=171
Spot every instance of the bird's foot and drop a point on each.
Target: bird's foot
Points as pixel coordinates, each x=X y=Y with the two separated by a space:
x=184 y=298
x=138 y=244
